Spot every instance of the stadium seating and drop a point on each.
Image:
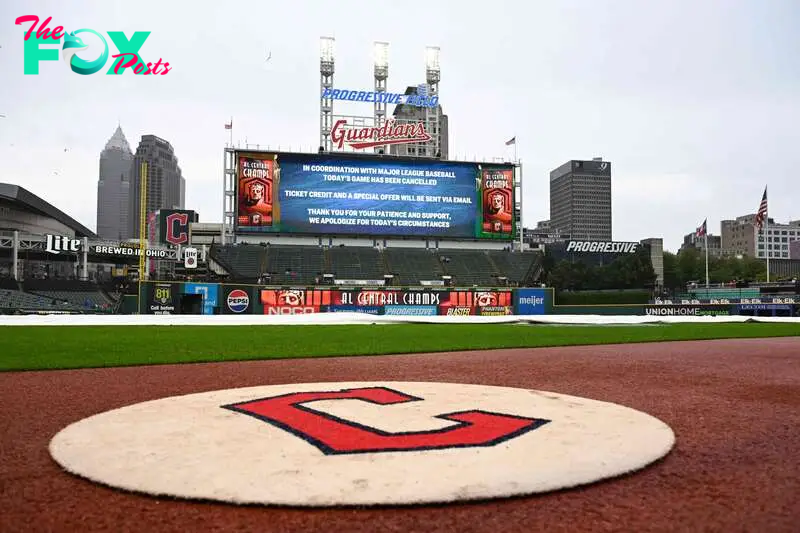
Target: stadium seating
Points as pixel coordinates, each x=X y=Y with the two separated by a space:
x=82 y=299
x=468 y=267
x=355 y=262
x=412 y=265
x=519 y=268
x=294 y=264
x=245 y=263
x=22 y=301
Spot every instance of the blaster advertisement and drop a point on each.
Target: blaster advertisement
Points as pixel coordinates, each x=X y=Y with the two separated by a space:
x=338 y=194
x=256 y=186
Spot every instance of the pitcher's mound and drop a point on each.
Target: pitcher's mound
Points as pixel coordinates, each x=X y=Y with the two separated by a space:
x=325 y=444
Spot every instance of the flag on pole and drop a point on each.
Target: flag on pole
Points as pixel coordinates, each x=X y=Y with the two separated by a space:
x=229 y=126
x=701 y=231
x=761 y=215
x=512 y=140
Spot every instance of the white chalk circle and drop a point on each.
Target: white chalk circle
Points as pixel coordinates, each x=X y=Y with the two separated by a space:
x=360 y=443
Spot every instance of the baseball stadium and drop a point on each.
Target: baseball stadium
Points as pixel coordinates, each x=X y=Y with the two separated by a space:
x=371 y=340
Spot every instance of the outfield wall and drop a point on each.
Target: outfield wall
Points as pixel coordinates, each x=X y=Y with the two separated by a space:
x=224 y=299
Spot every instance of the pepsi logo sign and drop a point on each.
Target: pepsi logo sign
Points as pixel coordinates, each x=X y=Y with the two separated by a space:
x=238 y=301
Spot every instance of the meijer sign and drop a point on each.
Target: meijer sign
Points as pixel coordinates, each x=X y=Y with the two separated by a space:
x=602 y=247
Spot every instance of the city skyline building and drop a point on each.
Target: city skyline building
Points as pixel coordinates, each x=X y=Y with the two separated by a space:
x=580 y=200
x=113 y=187
x=166 y=186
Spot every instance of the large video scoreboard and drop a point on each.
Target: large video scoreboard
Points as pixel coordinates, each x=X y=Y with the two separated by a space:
x=349 y=194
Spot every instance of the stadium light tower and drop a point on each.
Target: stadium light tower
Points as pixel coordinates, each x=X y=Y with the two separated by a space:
x=326 y=53
x=432 y=76
x=381 y=61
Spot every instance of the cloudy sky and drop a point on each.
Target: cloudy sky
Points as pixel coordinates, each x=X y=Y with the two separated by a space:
x=695 y=103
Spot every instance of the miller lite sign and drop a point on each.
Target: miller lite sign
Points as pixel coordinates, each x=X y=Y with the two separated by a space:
x=55 y=244
x=390 y=132
x=190 y=258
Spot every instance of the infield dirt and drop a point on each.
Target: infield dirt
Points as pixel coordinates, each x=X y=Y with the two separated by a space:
x=734 y=406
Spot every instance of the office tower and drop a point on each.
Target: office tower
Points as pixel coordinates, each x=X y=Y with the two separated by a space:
x=166 y=187
x=113 y=188
x=580 y=199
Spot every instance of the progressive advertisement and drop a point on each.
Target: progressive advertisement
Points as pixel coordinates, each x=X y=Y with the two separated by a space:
x=327 y=194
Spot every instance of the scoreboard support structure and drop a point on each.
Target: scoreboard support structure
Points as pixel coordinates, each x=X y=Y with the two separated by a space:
x=228 y=195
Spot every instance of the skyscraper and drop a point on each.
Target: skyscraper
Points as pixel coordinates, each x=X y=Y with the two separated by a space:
x=113 y=187
x=580 y=199
x=166 y=187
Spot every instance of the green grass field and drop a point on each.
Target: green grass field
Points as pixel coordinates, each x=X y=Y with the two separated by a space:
x=60 y=347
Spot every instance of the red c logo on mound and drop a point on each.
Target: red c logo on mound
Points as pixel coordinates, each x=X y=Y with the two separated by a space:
x=336 y=436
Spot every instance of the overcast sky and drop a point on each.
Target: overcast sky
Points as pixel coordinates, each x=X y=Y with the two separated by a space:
x=695 y=103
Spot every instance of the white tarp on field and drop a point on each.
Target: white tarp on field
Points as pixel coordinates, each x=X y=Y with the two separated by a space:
x=362 y=318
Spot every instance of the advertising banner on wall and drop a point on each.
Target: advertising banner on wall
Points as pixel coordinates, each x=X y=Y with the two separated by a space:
x=162 y=298
x=292 y=301
x=210 y=293
x=688 y=310
x=374 y=310
x=165 y=298
x=411 y=310
x=530 y=301
x=350 y=194
x=237 y=300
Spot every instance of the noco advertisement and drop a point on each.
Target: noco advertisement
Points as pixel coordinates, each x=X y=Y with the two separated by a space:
x=334 y=194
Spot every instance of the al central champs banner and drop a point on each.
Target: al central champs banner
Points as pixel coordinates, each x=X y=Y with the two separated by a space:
x=389 y=302
x=340 y=194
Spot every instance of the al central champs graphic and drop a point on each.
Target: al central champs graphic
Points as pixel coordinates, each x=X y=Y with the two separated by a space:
x=256 y=191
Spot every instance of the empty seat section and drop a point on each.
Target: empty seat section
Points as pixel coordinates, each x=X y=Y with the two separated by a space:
x=295 y=264
x=410 y=265
x=18 y=300
x=84 y=299
x=515 y=265
x=246 y=262
x=355 y=263
x=469 y=267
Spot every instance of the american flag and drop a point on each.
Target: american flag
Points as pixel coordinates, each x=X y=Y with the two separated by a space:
x=762 y=211
x=229 y=126
x=701 y=231
x=512 y=140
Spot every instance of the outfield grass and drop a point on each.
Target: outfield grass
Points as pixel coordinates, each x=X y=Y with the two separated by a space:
x=59 y=347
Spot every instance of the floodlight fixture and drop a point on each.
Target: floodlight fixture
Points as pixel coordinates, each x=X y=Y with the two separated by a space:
x=432 y=58
x=381 y=54
x=326 y=49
